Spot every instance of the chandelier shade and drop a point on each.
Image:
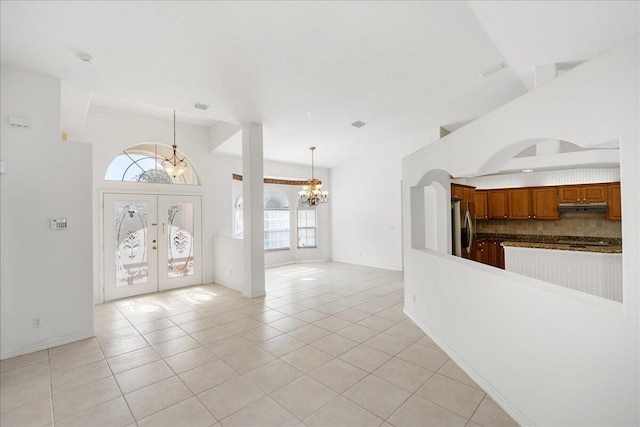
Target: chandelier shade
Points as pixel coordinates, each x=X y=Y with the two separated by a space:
x=312 y=194
x=174 y=165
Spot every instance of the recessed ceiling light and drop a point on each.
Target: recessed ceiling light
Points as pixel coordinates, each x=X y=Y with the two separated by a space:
x=85 y=57
x=358 y=123
x=493 y=69
x=200 y=106
x=527 y=170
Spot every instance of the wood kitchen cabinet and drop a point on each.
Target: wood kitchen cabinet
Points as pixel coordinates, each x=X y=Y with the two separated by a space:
x=497 y=205
x=519 y=200
x=545 y=203
x=614 y=205
x=587 y=193
x=480 y=197
x=490 y=252
x=462 y=192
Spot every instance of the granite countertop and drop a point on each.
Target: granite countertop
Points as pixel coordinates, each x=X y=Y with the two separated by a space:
x=575 y=246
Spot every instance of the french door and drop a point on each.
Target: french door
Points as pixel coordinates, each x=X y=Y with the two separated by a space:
x=151 y=243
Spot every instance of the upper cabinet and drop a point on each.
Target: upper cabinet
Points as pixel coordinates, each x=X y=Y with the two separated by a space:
x=614 y=207
x=545 y=203
x=519 y=200
x=497 y=202
x=480 y=197
x=588 y=193
x=462 y=192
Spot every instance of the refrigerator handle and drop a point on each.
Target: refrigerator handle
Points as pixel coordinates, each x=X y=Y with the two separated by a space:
x=469 y=227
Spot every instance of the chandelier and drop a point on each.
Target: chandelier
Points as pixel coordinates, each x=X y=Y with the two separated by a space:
x=174 y=165
x=312 y=194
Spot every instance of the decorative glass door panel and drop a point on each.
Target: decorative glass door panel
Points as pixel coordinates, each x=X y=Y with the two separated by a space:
x=151 y=243
x=130 y=237
x=181 y=254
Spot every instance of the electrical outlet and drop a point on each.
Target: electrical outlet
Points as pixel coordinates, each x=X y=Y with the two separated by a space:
x=37 y=322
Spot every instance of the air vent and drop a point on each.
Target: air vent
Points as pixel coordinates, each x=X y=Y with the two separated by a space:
x=358 y=124
x=203 y=107
x=493 y=69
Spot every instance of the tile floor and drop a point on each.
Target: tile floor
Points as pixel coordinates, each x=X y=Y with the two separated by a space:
x=328 y=346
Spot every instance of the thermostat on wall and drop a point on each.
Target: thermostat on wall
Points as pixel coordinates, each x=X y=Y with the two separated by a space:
x=59 y=224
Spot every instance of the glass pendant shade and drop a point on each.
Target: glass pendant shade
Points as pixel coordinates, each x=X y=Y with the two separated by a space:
x=312 y=194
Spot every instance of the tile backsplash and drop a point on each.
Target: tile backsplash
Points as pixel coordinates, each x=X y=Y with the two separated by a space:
x=580 y=224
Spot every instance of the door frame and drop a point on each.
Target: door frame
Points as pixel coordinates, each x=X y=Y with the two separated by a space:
x=147 y=192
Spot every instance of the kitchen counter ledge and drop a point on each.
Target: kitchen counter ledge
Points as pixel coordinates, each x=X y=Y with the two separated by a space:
x=566 y=247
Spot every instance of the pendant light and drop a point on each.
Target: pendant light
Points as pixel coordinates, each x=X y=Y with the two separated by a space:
x=312 y=194
x=174 y=165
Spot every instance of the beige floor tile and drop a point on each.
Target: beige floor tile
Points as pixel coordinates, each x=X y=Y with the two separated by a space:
x=133 y=359
x=117 y=334
x=273 y=375
x=453 y=371
x=282 y=345
x=229 y=345
x=388 y=343
x=190 y=359
x=189 y=316
x=198 y=325
x=72 y=348
x=309 y=333
x=24 y=360
x=379 y=324
x=157 y=397
x=122 y=346
x=472 y=424
x=403 y=374
x=377 y=395
x=243 y=325
x=307 y=358
x=163 y=335
x=331 y=308
x=453 y=395
x=190 y=413
x=332 y=323
x=295 y=397
x=334 y=344
x=64 y=381
x=84 y=397
x=229 y=397
x=36 y=414
x=352 y=315
x=259 y=413
x=310 y=316
x=287 y=324
x=178 y=345
x=292 y=309
x=489 y=413
x=365 y=357
x=143 y=376
x=419 y=412
x=114 y=413
x=154 y=325
x=424 y=356
x=210 y=335
x=341 y=412
x=338 y=375
x=23 y=386
x=208 y=375
x=260 y=334
x=407 y=332
x=76 y=359
x=269 y=316
x=358 y=333
x=228 y=316
x=248 y=359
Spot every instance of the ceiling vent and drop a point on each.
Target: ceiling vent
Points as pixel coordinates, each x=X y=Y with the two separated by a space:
x=203 y=107
x=358 y=124
x=493 y=70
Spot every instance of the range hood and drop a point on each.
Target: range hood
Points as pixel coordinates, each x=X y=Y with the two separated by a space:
x=582 y=207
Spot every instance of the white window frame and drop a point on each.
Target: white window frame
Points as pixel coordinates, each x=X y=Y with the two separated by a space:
x=306 y=227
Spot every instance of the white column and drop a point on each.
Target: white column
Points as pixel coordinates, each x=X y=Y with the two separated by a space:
x=253 y=210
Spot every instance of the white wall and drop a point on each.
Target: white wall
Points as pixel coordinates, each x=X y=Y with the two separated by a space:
x=366 y=205
x=548 y=355
x=44 y=273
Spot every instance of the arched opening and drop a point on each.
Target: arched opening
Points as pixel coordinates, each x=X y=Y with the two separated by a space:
x=277 y=222
x=143 y=163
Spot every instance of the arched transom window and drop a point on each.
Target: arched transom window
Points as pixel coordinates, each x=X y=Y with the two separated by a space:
x=143 y=163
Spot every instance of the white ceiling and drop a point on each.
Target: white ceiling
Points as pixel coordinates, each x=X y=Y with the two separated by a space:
x=307 y=70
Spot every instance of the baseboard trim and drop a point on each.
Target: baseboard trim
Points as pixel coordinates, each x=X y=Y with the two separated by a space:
x=26 y=349
x=503 y=402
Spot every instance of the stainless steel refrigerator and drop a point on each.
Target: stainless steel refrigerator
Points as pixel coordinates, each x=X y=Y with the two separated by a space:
x=463 y=224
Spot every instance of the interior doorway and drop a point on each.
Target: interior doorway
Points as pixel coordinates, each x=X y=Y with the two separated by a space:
x=151 y=243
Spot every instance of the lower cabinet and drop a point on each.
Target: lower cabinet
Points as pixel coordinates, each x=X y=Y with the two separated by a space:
x=490 y=252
